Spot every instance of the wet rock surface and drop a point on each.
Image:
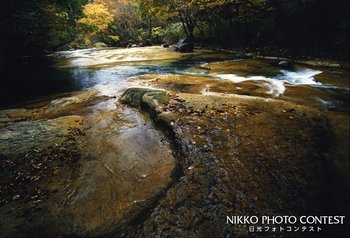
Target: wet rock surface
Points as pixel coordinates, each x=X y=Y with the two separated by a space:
x=241 y=156
x=69 y=169
x=196 y=138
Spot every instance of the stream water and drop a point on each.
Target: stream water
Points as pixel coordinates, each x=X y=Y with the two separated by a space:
x=130 y=162
x=107 y=70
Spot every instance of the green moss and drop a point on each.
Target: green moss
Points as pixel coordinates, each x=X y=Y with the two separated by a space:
x=137 y=96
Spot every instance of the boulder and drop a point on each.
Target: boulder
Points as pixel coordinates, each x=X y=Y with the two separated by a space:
x=184 y=46
x=100 y=45
x=285 y=64
x=165 y=45
x=131 y=45
x=147 y=99
x=147 y=42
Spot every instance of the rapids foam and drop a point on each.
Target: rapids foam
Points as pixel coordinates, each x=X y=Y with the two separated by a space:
x=304 y=77
x=276 y=85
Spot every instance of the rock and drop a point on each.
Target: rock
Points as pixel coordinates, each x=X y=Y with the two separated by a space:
x=131 y=44
x=184 y=46
x=285 y=64
x=145 y=98
x=165 y=45
x=7 y=134
x=66 y=47
x=141 y=45
x=240 y=55
x=147 y=42
x=100 y=45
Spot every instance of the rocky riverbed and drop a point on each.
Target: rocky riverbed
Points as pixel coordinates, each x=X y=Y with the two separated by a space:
x=241 y=155
x=62 y=176
x=176 y=148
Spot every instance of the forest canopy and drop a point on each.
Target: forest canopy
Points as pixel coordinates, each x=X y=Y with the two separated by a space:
x=312 y=26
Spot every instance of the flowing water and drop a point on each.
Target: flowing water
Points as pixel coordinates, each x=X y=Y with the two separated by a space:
x=107 y=70
x=130 y=162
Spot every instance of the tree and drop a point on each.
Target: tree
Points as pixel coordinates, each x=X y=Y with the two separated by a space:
x=35 y=25
x=152 y=14
x=188 y=13
x=126 y=18
x=95 y=21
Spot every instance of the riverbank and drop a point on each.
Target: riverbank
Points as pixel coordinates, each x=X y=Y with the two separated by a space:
x=287 y=55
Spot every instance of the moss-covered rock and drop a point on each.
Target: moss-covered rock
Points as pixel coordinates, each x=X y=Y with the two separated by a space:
x=100 y=45
x=143 y=97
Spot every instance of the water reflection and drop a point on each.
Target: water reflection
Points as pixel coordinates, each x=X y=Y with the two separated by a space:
x=107 y=70
x=32 y=78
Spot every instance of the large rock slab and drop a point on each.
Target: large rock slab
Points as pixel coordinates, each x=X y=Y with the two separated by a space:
x=243 y=155
x=80 y=165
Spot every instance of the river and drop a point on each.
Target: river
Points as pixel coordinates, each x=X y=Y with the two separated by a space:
x=69 y=101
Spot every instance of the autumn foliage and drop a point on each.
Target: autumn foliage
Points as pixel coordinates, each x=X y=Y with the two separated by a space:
x=312 y=25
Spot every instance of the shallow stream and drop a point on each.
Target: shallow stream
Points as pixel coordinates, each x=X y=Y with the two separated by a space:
x=129 y=162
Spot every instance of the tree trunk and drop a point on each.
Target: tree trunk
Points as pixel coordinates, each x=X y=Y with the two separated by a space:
x=150 y=27
x=184 y=26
